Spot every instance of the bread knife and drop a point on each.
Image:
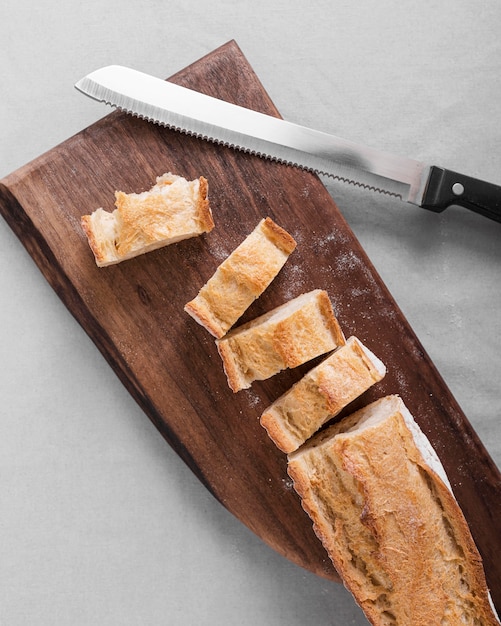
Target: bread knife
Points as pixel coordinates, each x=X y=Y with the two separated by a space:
x=160 y=101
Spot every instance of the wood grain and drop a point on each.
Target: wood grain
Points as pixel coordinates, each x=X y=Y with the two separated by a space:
x=134 y=311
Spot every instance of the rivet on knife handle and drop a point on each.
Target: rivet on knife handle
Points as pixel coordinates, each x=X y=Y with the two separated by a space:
x=446 y=188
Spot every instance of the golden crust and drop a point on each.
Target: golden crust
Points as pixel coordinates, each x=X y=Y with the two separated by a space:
x=321 y=394
x=203 y=206
x=293 y=337
x=236 y=379
x=202 y=314
x=86 y=223
x=372 y=486
x=172 y=210
x=280 y=237
x=285 y=337
x=241 y=278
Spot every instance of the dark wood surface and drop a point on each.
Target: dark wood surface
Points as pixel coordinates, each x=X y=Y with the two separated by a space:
x=134 y=311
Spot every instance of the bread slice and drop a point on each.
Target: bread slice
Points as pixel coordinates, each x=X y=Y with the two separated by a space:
x=382 y=506
x=321 y=394
x=172 y=210
x=285 y=337
x=241 y=278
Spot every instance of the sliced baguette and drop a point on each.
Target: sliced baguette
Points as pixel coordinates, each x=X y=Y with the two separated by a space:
x=172 y=210
x=321 y=394
x=285 y=337
x=241 y=278
x=382 y=506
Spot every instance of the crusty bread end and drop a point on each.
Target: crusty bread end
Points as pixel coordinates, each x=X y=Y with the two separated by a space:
x=390 y=524
x=172 y=210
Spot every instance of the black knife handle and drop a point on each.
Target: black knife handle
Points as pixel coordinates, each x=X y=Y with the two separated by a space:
x=446 y=187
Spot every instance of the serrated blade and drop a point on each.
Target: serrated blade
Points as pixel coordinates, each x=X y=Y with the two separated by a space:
x=218 y=121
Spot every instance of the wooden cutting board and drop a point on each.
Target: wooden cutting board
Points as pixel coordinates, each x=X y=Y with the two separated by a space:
x=134 y=311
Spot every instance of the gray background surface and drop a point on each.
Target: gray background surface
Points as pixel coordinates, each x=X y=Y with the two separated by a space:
x=100 y=522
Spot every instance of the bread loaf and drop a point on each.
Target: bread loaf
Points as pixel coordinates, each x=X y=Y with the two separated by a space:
x=172 y=210
x=241 y=278
x=382 y=506
x=321 y=394
x=285 y=337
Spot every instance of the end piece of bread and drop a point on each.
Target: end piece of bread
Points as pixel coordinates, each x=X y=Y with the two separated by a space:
x=285 y=337
x=172 y=210
x=321 y=394
x=241 y=278
x=382 y=506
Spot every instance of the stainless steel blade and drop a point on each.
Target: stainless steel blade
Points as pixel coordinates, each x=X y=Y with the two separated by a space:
x=218 y=121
